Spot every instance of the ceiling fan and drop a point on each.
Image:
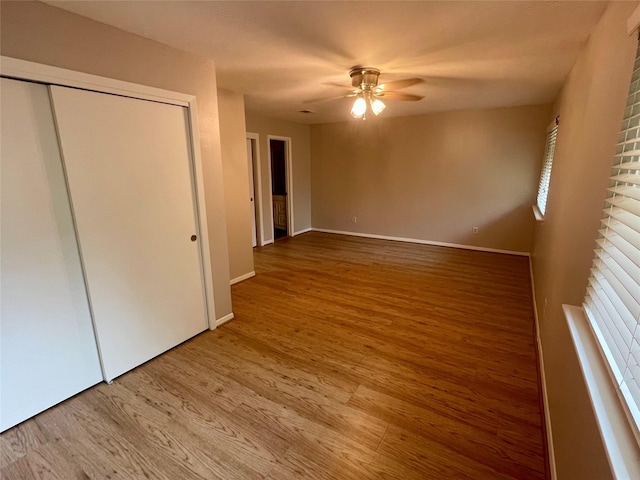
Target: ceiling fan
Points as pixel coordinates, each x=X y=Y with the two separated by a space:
x=369 y=93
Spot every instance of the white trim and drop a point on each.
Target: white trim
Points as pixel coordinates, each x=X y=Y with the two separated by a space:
x=537 y=213
x=223 y=320
x=268 y=242
x=616 y=432
x=300 y=232
x=242 y=277
x=543 y=382
x=289 y=174
x=634 y=21
x=21 y=69
x=16 y=68
x=423 y=242
x=289 y=167
x=258 y=188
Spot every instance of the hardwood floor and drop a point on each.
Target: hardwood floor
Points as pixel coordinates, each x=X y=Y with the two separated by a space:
x=349 y=358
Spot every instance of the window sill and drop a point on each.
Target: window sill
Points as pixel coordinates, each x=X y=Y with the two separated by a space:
x=617 y=435
x=537 y=213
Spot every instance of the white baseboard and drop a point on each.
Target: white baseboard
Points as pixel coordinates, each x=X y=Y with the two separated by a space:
x=423 y=242
x=299 y=232
x=267 y=242
x=225 y=319
x=543 y=381
x=242 y=277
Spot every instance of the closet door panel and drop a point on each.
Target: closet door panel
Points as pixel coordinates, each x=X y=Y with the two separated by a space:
x=47 y=345
x=129 y=167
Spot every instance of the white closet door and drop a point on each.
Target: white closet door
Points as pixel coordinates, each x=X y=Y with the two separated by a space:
x=128 y=163
x=47 y=346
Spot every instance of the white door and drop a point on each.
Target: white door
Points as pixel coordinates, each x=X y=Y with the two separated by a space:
x=47 y=347
x=252 y=193
x=129 y=167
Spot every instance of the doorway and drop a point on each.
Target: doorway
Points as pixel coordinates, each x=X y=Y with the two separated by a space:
x=281 y=191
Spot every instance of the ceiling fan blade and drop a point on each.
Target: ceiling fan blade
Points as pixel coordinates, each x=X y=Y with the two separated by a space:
x=399 y=96
x=397 y=84
x=328 y=99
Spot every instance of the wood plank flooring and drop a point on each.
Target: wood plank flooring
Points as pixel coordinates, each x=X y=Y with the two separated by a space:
x=349 y=358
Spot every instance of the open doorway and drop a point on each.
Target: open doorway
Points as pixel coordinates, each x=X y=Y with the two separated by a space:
x=255 y=192
x=281 y=191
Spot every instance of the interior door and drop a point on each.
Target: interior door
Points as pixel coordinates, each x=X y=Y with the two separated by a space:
x=129 y=167
x=252 y=193
x=47 y=346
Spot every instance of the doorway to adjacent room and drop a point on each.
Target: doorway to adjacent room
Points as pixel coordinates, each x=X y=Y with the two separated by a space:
x=281 y=191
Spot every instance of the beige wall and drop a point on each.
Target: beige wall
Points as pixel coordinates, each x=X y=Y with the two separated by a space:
x=236 y=182
x=301 y=159
x=590 y=108
x=41 y=33
x=432 y=177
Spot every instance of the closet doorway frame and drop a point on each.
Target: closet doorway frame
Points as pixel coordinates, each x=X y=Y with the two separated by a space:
x=36 y=72
x=288 y=164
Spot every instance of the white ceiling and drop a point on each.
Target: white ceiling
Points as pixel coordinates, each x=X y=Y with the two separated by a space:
x=475 y=54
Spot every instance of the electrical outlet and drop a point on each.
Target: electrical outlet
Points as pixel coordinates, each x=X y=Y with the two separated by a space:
x=474 y=230
x=354 y=219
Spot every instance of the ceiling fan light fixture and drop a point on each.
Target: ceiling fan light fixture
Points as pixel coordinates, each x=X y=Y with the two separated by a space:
x=368 y=94
x=377 y=106
x=362 y=77
x=359 y=107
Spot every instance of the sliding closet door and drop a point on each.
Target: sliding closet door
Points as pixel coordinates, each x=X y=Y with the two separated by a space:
x=128 y=163
x=47 y=347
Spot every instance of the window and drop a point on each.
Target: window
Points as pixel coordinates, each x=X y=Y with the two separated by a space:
x=612 y=302
x=545 y=175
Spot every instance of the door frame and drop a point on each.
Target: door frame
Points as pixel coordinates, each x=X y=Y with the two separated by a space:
x=257 y=186
x=288 y=169
x=31 y=71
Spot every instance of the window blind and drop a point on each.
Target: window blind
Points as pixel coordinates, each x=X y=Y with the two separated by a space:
x=612 y=301
x=545 y=175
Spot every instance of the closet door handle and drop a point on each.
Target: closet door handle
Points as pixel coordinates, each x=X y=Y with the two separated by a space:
x=194 y=238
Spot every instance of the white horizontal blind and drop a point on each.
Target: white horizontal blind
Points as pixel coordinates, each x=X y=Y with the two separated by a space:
x=612 y=302
x=545 y=175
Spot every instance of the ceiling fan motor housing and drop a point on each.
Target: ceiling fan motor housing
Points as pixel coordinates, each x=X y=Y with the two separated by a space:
x=364 y=77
